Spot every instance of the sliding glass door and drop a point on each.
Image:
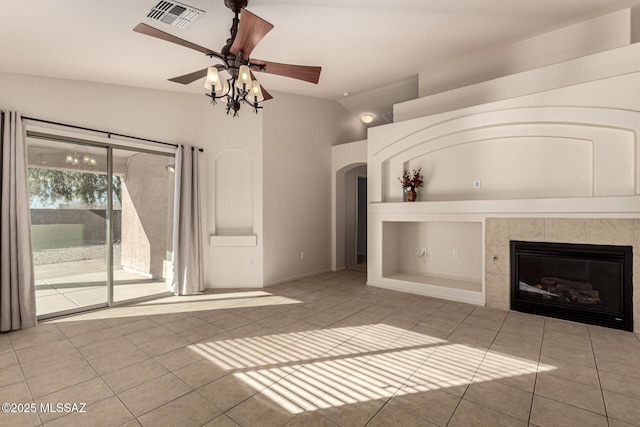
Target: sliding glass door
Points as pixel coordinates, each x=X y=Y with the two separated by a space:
x=68 y=187
x=143 y=234
x=101 y=223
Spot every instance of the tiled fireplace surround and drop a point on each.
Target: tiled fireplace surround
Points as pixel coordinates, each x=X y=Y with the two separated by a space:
x=499 y=231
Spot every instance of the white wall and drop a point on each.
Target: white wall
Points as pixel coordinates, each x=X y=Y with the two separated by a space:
x=579 y=141
x=295 y=132
x=165 y=116
x=585 y=38
x=570 y=66
x=440 y=239
x=298 y=135
x=233 y=207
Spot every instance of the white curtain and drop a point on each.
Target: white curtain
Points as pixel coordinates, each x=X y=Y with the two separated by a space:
x=187 y=269
x=17 y=284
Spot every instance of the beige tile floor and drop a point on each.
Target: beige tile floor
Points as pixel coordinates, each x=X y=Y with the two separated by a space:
x=322 y=351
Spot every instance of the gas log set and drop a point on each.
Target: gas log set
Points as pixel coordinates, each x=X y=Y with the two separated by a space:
x=563 y=290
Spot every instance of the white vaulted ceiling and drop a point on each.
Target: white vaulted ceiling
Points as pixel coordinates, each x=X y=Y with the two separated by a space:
x=360 y=44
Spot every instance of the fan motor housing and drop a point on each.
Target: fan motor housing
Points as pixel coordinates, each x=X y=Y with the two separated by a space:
x=236 y=5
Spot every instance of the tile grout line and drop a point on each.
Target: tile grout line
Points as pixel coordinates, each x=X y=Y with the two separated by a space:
x=535 y=378
x=595 y=361
x=26 y=383
x=98 y=375
x=476 y=371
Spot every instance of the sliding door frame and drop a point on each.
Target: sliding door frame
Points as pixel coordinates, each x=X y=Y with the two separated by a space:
x=94 y=138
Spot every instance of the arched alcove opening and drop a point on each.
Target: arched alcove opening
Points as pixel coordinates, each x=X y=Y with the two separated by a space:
x=234 y=193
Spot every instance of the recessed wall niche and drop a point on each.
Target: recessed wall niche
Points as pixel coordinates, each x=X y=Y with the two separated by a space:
x=517 y=153
x=233 y=193
x=453 y=253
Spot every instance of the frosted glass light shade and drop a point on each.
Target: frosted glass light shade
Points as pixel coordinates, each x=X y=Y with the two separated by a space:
x=244 y=78
x=213 y=79
x=256 y=92
x=225 y=89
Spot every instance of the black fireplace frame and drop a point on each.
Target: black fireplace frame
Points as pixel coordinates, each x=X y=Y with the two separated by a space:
x=622 y=320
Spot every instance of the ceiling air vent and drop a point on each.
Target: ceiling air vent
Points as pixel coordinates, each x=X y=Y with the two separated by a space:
x=387 y=117
x=174 y=13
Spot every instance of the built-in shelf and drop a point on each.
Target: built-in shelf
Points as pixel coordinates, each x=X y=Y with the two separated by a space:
x=583 y=205
x=233 y=241
x=451 y=267
x=454 y=290
x=438 y=281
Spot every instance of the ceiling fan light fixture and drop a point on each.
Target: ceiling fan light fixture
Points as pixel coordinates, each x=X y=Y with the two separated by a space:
x=213 y=79
x=225 y=91
x=238 y=87
x=366 y=118
x=256 y=92
x=244 y=78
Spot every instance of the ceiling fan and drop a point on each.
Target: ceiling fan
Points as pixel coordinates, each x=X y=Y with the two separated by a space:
x=241 y=87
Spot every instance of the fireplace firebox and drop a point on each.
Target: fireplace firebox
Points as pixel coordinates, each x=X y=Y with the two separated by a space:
x=584 y=283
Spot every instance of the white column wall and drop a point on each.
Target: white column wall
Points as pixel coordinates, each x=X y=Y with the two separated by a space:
x=298 y=135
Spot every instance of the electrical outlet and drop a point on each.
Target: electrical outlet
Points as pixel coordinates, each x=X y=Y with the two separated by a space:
x=252 y=262
x=456 y=253
x=477 y=184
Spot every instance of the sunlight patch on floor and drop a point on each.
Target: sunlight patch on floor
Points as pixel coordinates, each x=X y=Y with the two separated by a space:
x=190 y=304
x=307 y=371
x=209 y=297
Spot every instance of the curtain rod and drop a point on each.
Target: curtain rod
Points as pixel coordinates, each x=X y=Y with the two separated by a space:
x=193 y=148
x=102 y=131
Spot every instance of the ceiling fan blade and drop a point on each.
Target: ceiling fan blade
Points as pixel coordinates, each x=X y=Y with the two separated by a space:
x=266 y=95
x=251 y=30
x=300 y=72
x=192 y=77
x=154 y=32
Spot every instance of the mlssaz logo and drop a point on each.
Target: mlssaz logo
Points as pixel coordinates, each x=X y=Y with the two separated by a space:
x=66 y=408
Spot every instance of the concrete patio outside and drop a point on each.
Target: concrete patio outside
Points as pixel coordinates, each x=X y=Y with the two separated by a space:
x=62 y=286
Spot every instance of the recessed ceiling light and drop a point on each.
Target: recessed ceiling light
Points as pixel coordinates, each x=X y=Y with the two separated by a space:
x=346 y=93
x=366 y=118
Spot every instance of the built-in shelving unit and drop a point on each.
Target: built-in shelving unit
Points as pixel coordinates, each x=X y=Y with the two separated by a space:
x=443 y=259
x=440 y=227
x=566 y=152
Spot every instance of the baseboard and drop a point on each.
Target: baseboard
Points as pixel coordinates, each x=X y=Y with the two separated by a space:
x=468 y=297
x=298 y=277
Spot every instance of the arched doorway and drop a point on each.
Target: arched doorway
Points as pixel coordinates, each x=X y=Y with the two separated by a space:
x=349 y=167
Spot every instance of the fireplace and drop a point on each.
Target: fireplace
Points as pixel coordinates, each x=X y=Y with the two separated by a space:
x=584 y=283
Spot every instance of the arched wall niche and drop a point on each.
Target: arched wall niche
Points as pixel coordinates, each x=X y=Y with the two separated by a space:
x=233 y=184
x=520 y=153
